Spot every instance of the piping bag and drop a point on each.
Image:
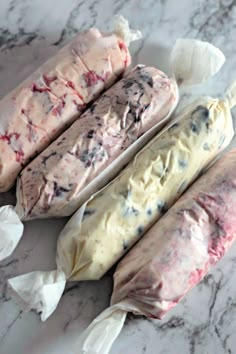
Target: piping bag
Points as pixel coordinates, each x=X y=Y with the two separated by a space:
x=115 y=218
x=104 y=139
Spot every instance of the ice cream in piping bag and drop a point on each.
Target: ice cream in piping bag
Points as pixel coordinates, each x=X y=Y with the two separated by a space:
x=115 y=218
x=105 y=138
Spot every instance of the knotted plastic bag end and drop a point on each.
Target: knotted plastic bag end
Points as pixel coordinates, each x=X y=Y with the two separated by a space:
x=123 y=30
x=103 y=331
x=39 y=291
x=11 y=230
x=194 y=61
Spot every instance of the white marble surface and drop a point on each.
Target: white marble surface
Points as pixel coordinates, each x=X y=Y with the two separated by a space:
x=205 y=321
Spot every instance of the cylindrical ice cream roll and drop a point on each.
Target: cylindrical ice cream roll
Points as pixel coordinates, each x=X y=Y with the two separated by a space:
x=174 y=255
x=52 y=183
x=105 y=138
x=109 y=224
x=57 y=93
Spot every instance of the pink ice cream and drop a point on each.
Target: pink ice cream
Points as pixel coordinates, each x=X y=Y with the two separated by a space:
x=178 y=251
x=50 y=184
x=38 y=110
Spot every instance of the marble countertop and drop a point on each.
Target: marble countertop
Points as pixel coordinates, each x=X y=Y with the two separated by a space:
x=205 y=321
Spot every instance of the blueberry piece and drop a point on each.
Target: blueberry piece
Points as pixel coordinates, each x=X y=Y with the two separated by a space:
x=161 y=207
x=58 y=191
x=131 y=211
x=150 y=82
x=92 y=107
x=88 y=163
x=128 y=83
x=84 y=158
x=206 y=147
x=183 y=163
x=137 y=119
x=149 y=212
x=90 y=134
x=195 y=128
x=202 y=112
x=146 y=78
x=140 y=230
x=92 y=154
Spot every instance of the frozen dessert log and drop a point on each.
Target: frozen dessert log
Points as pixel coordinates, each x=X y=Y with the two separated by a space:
x=51 y=98
x=111 y=124
x=109 y=224
x=104 y=139
x=173 y=257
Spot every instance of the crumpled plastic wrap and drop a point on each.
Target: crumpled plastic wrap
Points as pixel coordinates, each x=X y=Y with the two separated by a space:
x=173 y=257
x=115 y=218
x=57 y=93
x=105 y=138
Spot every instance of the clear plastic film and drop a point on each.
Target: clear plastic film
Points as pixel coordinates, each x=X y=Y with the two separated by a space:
x=116 y=217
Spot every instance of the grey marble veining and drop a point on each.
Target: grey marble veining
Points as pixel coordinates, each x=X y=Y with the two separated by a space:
x=205 y=321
